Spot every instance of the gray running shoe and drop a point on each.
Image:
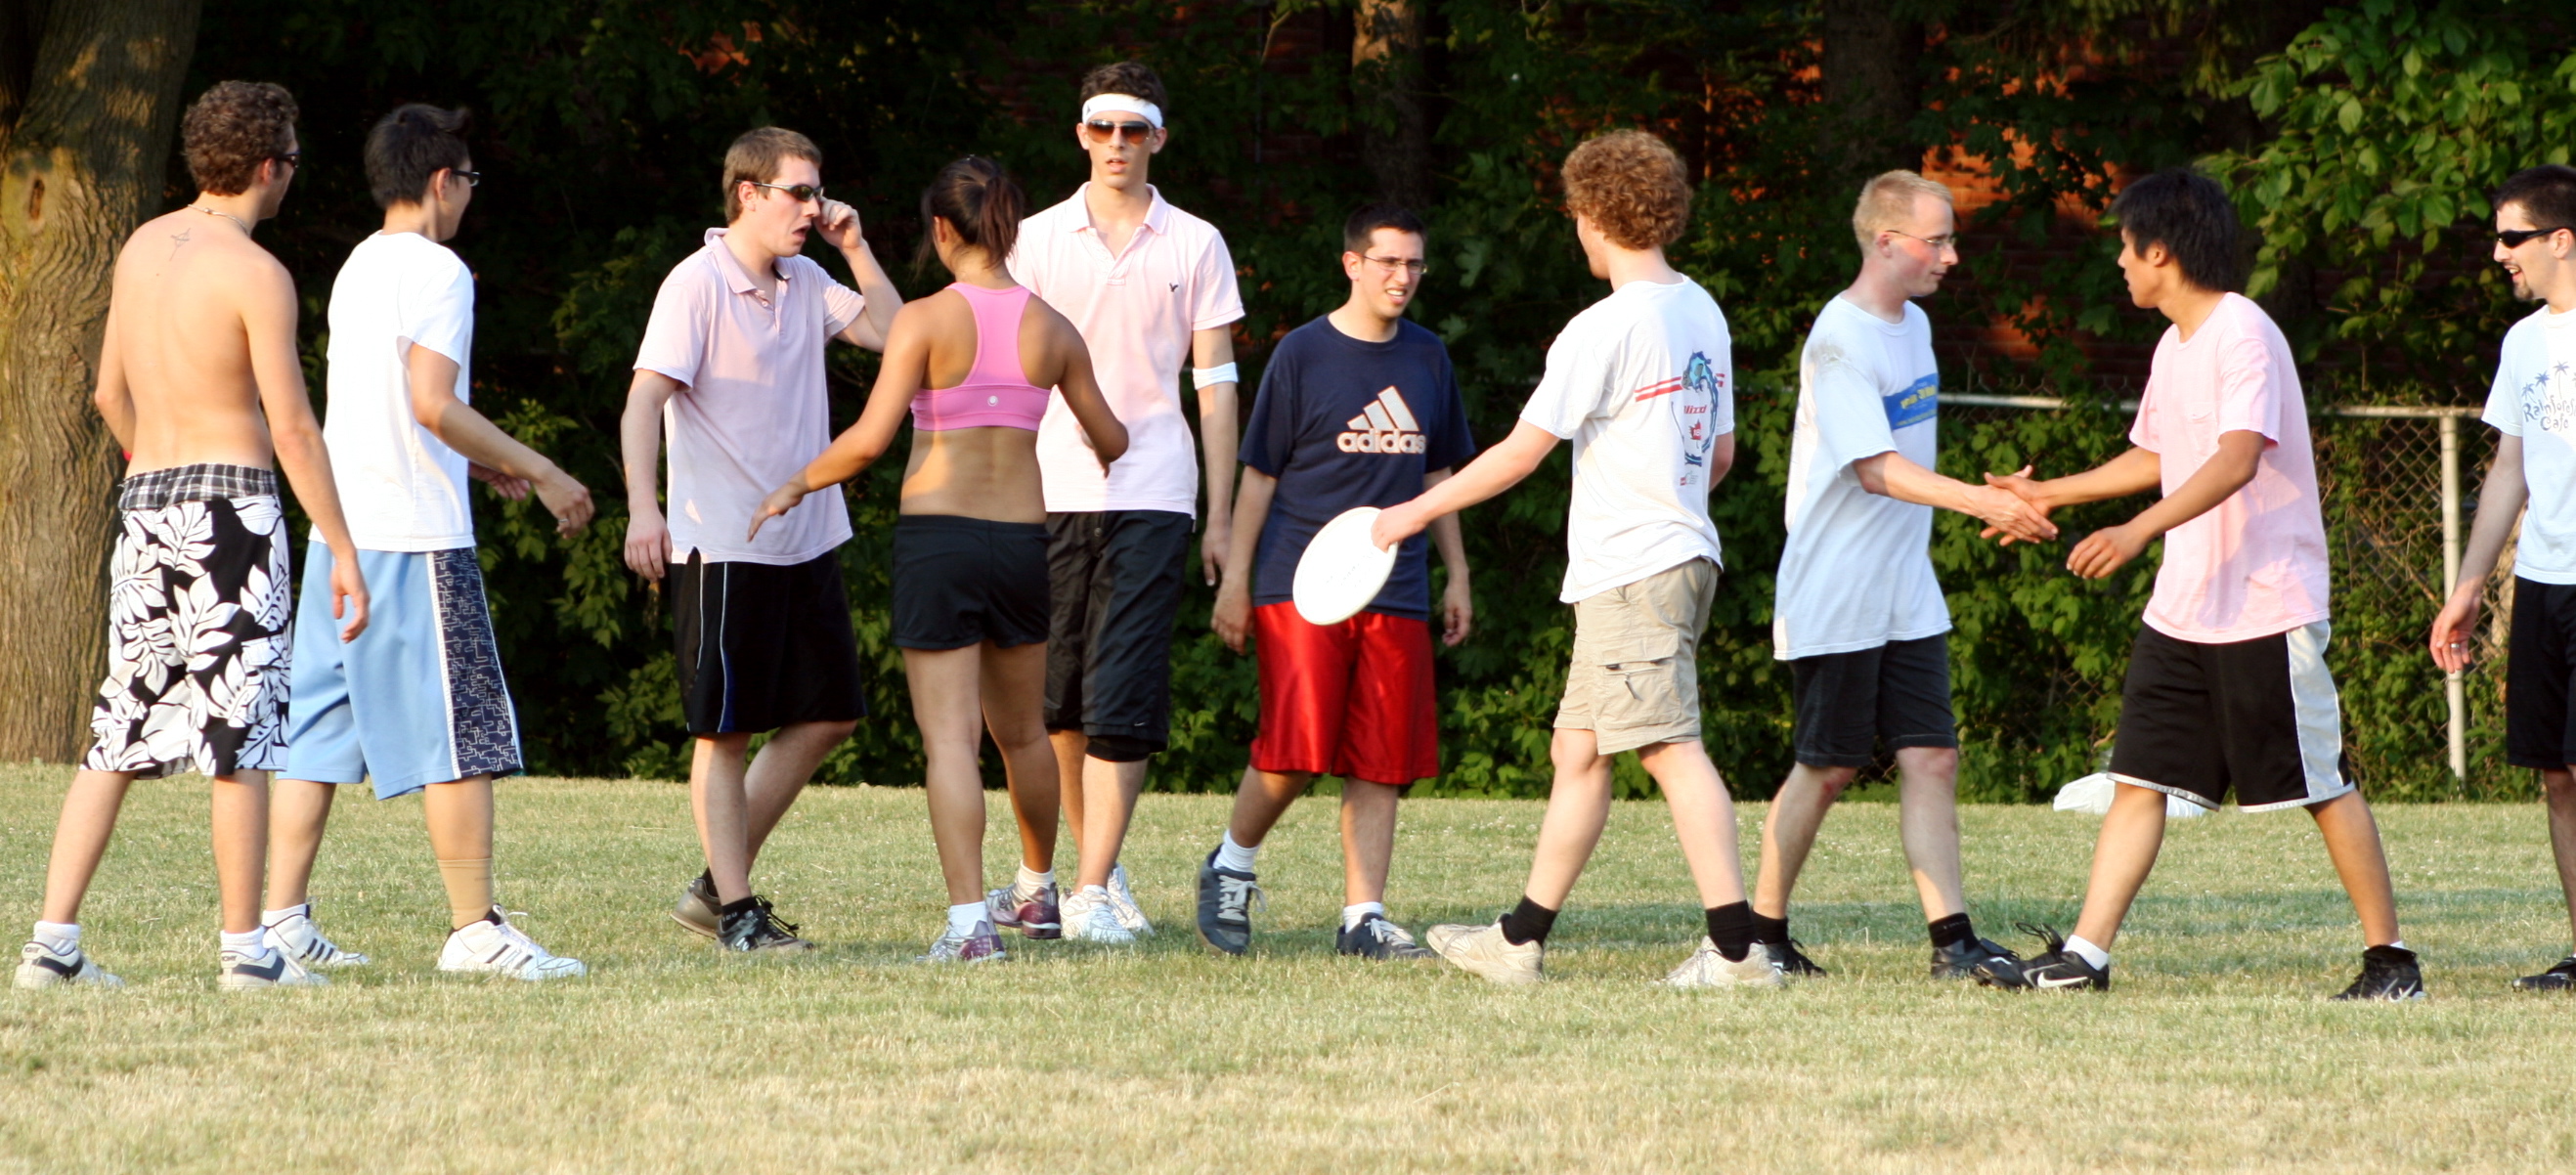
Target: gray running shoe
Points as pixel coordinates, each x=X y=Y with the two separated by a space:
x=699 y=911
x=39 y=966
x=243 y=971
x=1226 y=901
x=980 y=945
x=296 y=935
x=1709 y=967
x=756 y=928
x=1378 y=938
x=1483 y=951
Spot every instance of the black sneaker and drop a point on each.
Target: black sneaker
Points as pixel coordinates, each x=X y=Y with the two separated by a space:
x=1792 y=962
x=2559 y=978
x=755 y=928
x=2056 y=969
x=1226 y=899
x=1378 y=938
x=1962 y=960
x=2387 y=973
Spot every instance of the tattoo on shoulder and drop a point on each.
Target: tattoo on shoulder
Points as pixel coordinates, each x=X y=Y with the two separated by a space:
x=177 y=240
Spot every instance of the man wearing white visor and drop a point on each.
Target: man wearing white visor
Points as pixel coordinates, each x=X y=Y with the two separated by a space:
x=1149 y=286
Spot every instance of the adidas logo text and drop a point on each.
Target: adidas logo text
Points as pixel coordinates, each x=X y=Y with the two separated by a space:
x=1387 y=427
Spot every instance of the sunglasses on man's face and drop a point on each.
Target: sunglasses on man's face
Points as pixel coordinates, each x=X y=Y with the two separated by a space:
x=1110 y=131
x=2512 y=238
x=800 y=193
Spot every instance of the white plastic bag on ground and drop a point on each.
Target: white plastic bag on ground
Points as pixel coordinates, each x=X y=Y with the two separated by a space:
x=2093 y=794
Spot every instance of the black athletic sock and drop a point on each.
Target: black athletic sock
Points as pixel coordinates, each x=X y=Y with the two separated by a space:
x=1951 y=931
x=1528 y=922
x=729 y=909
x=1774 y=931
x=1731 y=927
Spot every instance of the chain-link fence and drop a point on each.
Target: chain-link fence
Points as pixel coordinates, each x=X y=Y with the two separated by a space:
x=2040 y=668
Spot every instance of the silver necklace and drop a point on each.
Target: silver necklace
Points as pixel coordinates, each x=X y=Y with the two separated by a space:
x=245 y=228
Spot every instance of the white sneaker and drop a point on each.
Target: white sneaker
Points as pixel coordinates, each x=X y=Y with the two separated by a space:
x=1091 y=915
x=296 y=935
x=494 y=947
x=1122 y=902
x=243 y=971
x=1707 y=967
x=1483 y=951
x=40 y=966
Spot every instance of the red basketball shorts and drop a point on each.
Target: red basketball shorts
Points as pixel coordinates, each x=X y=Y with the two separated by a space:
x=1351 y=699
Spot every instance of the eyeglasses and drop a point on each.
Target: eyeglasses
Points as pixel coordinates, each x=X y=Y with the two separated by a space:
x=2512 y=238
x=1110 y=131
x=1392 y=264
x=1949 y=241
x=473 y=179
x=800 y=193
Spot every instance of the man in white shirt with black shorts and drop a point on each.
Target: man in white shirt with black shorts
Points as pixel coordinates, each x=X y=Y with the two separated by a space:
x=1859 y=616
x=1641 y=382
x=732 y=366
x=1149 y=286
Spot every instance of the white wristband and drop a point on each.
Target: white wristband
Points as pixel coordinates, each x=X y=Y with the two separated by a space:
x=1222 y=373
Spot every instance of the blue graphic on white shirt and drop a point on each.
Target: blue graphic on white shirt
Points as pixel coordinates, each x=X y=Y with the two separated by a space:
x=1693 y=408
x=1920 y=401
x=2549 y=398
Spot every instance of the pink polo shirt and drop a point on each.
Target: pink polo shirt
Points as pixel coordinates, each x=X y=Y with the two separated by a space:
x=1135 y=311
x=754 y=410
x=2254 y=564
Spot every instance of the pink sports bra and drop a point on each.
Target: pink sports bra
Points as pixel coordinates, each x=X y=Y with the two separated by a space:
x=996 y=390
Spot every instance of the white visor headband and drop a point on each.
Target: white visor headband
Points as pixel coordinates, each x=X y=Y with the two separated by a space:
x=1099 y=102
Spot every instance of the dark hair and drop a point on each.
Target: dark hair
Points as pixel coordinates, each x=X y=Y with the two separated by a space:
x=410 y=145
x=233 y=128
x=2190 y=215
x=1372 y=217
x=2547 y=194
x=979 y=200
x=756 y=156
x=1132 y=78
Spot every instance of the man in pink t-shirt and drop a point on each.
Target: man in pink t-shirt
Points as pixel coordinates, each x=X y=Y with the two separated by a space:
x=2227 y=686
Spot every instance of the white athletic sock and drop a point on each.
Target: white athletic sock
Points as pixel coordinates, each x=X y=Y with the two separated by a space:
x=1032 y=882
x=62 y=938
x=963 y=917
x=273 y=917
x=247 y=942
x=1232 y=857
x=1352 y=915
x=2398 y=945
x=2101 y=959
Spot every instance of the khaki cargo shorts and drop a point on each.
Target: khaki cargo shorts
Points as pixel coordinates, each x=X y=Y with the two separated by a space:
x=1635 y=677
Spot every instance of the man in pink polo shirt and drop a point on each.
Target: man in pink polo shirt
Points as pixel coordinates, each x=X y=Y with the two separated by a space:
x=732 y=368
x=1149 y=286
x=2227 y=686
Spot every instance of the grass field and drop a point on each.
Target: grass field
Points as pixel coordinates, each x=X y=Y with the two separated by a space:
x=2215 y=1052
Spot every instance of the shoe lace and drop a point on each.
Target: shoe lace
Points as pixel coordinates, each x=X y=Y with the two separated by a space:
x=1237 y=896
x=770 y=920
x=2045 y=933
x=1385 y=931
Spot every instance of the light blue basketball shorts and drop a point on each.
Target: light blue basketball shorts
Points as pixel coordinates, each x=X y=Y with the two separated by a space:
x=418 y=698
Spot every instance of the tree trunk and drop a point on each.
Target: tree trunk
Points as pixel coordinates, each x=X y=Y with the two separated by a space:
x=1872 y=88
x=95 y=102
x=1386 y=81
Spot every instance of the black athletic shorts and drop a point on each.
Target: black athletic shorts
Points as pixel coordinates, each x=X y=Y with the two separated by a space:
x=963 y=581
x=2537 y=674
x=1117 y=579
x=2258 y=716
x=1898 y=692
x=762 y=646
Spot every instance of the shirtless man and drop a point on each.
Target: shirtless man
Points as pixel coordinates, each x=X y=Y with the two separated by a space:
x=200 y=381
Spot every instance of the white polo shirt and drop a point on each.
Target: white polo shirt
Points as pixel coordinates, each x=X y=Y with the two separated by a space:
x=1136 y=311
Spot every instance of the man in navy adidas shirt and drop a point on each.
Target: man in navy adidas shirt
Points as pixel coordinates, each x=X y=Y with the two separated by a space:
x=1357 y=408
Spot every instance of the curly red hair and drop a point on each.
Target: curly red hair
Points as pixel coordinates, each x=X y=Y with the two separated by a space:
x=1630 y=185
x=231 y=129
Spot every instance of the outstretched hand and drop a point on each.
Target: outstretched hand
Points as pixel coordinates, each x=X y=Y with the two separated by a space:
x=1395 y=524
x=2020 y=486
x=779 y=501
x=2105 y=551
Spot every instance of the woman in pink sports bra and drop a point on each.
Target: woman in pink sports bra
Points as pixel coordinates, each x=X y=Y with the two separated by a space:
x=973 y=365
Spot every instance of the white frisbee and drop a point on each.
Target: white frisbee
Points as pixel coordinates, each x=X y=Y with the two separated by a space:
x=1341 y=570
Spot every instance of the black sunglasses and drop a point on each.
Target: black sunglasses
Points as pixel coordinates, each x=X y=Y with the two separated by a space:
x=1103 y=129
x=800 y=193
x=2512 y=238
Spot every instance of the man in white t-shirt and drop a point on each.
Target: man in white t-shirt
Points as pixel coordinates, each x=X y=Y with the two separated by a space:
x=1642 y=383
x=2533 y=409
x=731 y=370
x=1149 y=286
x=1858 y=614
x=417 y=703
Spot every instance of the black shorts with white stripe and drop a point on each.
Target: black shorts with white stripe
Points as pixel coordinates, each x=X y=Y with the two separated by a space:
x=2259 y=718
